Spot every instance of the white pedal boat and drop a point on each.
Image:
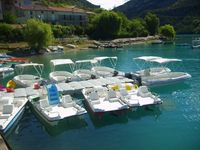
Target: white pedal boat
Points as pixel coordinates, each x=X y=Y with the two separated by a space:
x=53 y=108
x=26 y=80
x=100 y=99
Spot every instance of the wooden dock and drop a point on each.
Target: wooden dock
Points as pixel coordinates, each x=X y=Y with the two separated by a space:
x=3 y=144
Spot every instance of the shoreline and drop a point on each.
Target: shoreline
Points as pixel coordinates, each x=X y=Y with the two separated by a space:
x=21 y=49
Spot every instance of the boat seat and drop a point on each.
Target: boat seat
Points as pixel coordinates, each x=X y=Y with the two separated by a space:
x=95 y=102
x=89 y=90
x=67 y=101
x=67 y=104
x=123 y=92
x=112 y=97
x=94 y=96
x=111 y=94
x=53 y=94
x=44 y=103
x=143 y=92
x=7 y=109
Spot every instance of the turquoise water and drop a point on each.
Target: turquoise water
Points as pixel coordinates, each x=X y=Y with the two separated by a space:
x=173 y=125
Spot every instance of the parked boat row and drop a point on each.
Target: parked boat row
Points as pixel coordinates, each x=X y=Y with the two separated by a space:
x=104 y=88
x=53 y=102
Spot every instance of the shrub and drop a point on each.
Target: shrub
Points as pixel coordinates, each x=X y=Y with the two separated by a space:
x=168 y=32
x=38 y=34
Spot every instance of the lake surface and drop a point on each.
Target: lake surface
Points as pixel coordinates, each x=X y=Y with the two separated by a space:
x=173 y=125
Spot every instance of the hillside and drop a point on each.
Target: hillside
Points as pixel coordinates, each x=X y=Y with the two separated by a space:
x=79 y=3
x=179 y=13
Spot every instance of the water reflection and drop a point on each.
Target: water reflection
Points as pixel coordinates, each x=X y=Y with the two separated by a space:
x=70 y=123
x=122 y=117
x=168 y=89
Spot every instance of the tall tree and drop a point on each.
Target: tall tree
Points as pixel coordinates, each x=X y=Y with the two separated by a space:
x=168 y=32
x=152 y=22
x=38 y=34
x=106 y=25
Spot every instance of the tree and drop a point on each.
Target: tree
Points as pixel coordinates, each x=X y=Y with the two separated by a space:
x=5 y=32
x=105 y=25
x=9 y=17
x=152 y=23
x=137 y=28
x=38 y=34
x=168 y=32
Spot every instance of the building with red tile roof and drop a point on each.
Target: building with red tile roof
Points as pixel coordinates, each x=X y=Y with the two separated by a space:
x=26 y=9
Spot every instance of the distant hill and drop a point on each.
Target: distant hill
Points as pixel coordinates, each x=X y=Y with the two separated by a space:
x=79 y=3
x=176 y=12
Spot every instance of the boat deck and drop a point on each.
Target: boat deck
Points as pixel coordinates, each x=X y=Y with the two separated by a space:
x=77 y=86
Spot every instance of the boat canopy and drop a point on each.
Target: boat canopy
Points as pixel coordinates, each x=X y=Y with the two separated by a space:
x=165 y=60
x=113 y=60
x=85 y=63
x=57 y=62
x=21 y=67
x=147 y=58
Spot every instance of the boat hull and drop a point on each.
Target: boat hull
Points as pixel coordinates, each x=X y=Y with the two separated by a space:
x=13 y=121
x=165 y=81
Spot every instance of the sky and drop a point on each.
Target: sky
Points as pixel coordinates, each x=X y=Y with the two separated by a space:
x=107 y=4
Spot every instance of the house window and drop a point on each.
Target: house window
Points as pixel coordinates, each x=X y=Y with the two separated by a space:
x=31 y=13
x=80 y=17
x=42 y=12
x=52 y=12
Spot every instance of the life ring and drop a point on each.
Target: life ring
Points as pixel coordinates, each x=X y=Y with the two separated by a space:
x=11 y=84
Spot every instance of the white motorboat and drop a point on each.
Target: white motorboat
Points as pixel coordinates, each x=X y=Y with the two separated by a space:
x=161 y=76
x=5 y=72
x=26 y=80
x=135 y=96
x=165 y=79
x=100 y=99
x=196 y=43
x=104 y=71
x=12 y=106
x=62 y=76
x=83 y=69
x=150 y=70
x=53 y=108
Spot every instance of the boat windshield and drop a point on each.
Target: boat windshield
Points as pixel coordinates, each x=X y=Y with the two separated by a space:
x=59 y=62
x=149 y=61
x=112 y=60
x=85 y=64
x=20 y=68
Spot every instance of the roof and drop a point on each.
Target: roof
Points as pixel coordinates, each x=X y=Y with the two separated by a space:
x=36 y=7
x=57 y=62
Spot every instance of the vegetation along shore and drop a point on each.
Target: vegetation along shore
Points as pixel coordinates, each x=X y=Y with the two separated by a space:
x=96 y=28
